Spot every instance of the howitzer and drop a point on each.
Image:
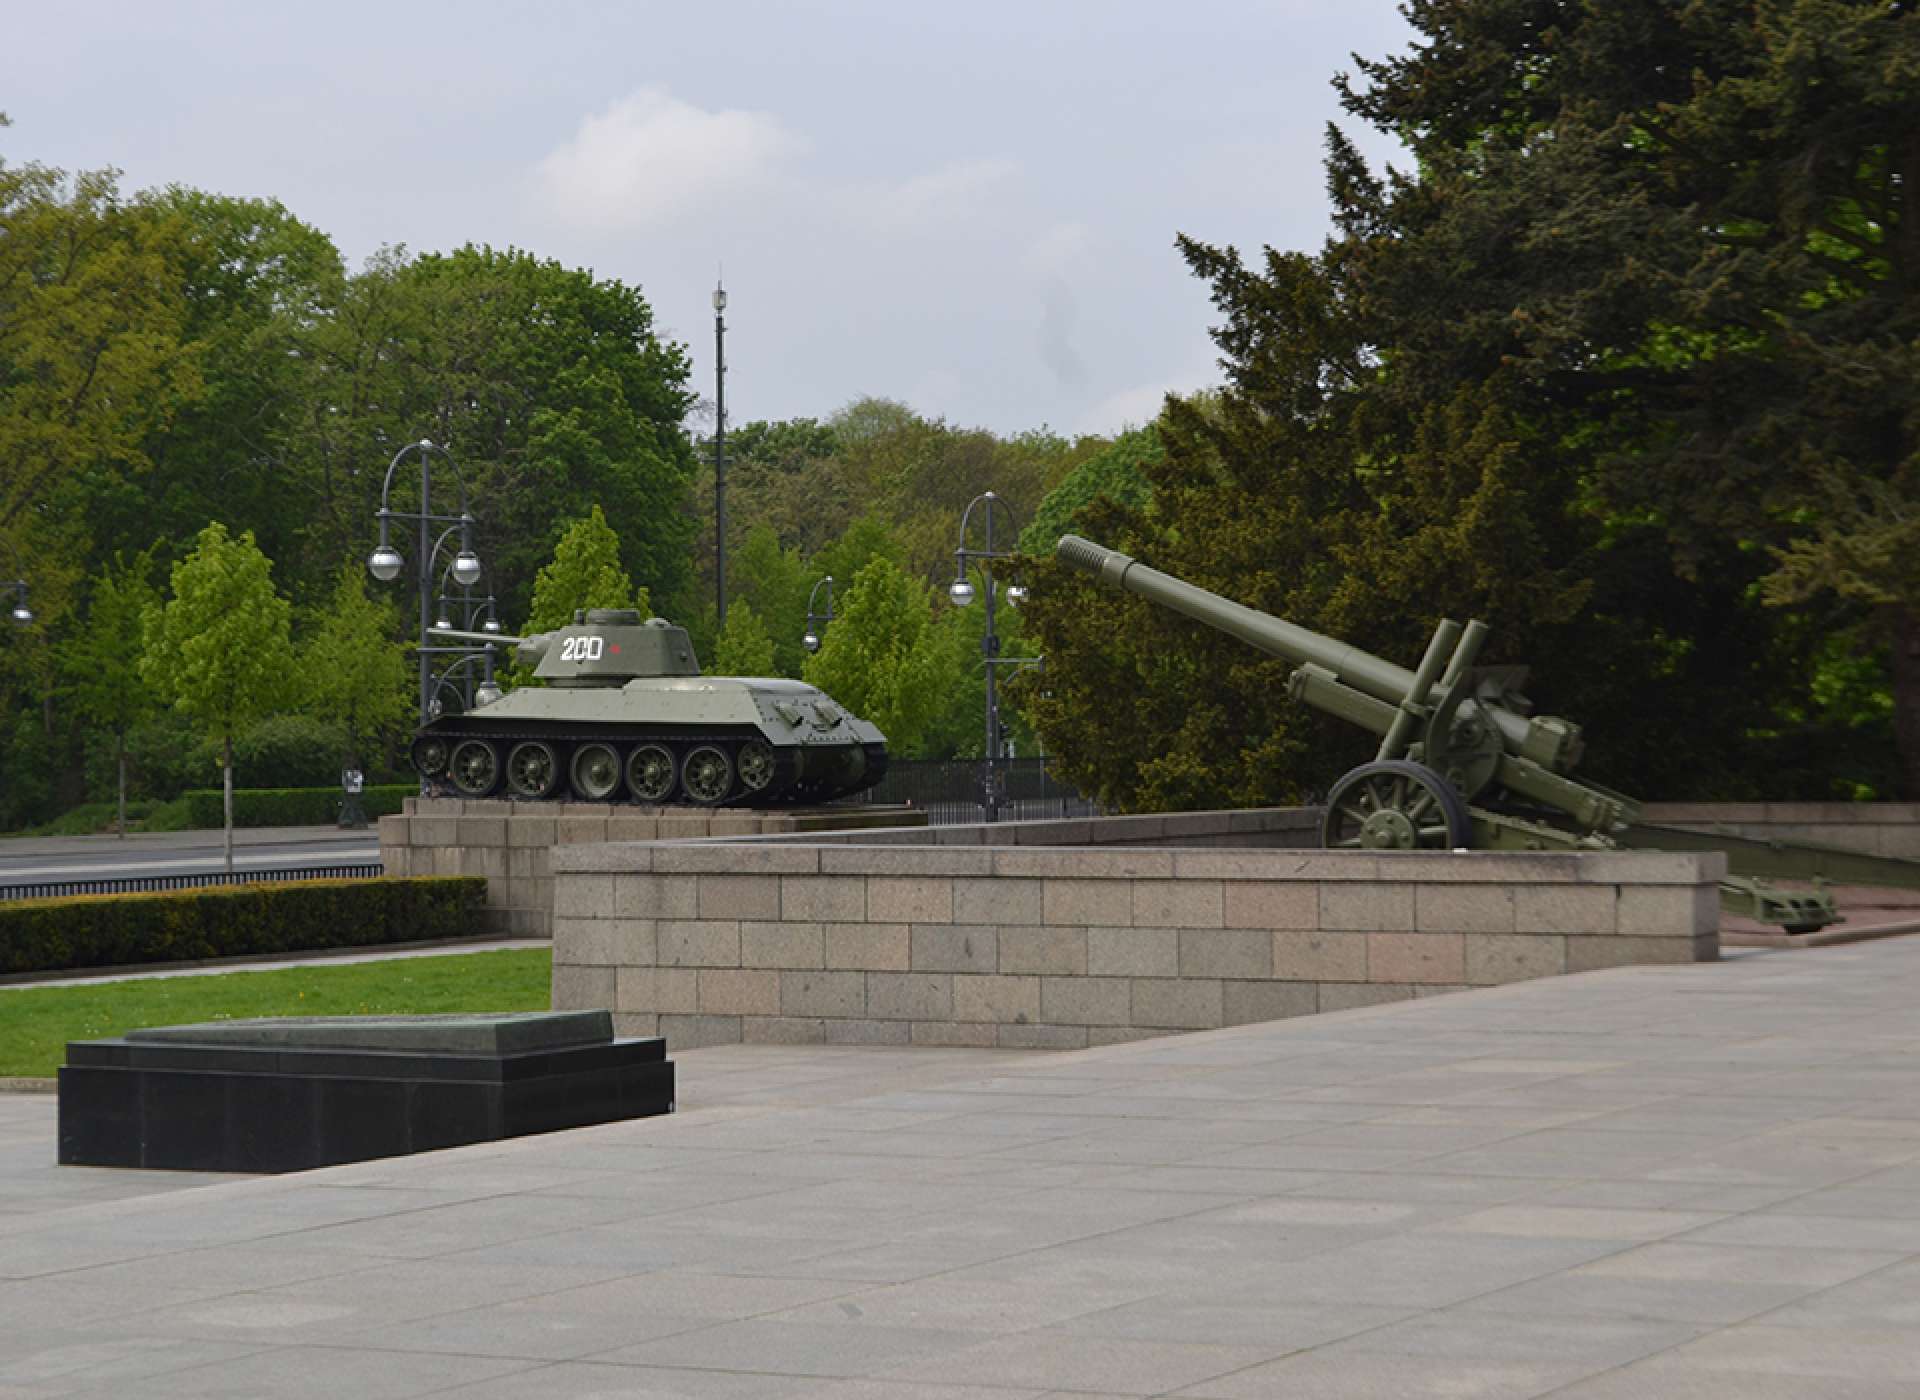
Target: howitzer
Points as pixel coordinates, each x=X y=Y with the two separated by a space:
x=1464 y=762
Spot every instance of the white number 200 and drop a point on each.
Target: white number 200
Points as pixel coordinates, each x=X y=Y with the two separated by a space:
x=582 y=648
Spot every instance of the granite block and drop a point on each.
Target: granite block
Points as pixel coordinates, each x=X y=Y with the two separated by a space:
x=781 y=945
x=1013 y=999
x=1058 y=951
x=808 y=992
x=869 y=947
x=910 y=996
x=1086 y=1001
x=955 y=948
x=1133 y=952
x=910 y=899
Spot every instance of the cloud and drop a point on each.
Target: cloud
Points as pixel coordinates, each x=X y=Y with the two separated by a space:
x=940 y=196
x=650 y=157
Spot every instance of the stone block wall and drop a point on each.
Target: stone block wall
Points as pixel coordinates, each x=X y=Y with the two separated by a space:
x=1872 y=828
x=510 y=843
x=848 y=941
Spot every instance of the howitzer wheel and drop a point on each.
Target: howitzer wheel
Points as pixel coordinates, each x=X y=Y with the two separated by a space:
x=1395 y=805
x=706 y=775
x=651 y=773
x=532 y=769
x=596 y=772
x=474 y=767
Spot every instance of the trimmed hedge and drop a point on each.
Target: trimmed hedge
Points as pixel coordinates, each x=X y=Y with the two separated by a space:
x=114 y=930
x=292 y=806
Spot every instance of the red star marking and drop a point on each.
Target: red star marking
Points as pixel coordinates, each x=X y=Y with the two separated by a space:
x=614 y=647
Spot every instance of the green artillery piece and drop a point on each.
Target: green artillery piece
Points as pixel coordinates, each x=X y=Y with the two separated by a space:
x=1465 y=763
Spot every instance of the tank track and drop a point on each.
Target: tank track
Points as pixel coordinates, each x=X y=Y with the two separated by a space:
x=534 y=762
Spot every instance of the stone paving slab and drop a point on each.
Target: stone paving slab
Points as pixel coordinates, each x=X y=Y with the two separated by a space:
x=1694 y=1182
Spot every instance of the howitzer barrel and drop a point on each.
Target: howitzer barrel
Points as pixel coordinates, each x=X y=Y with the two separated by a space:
x=1359 y=669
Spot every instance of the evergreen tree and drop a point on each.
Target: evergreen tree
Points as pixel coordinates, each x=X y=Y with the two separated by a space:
x=744 y=648
x=883 y=659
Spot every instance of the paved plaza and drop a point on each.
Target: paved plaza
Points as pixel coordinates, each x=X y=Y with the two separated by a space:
x=1696 y=1182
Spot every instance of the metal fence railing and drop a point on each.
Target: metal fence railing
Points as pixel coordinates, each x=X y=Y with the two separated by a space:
x=954 y=790
x=129 y=884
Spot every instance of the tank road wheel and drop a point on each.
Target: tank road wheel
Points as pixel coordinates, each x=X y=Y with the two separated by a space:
x=430 y=756
x=1394 y=805
x=755 y=762
x=651 y=773
x=596 y=772
x=474 y=767
x=532 y=770
x=707 y=775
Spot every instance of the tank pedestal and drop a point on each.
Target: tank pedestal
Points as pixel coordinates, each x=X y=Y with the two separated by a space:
x=508 y=842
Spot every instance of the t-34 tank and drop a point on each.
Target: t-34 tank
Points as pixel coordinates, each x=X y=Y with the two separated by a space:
x=625 y=715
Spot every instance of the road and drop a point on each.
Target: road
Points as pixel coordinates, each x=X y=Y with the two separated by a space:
x=32 y=859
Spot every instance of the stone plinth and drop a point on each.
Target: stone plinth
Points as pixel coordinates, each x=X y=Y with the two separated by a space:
x=296 y=1093
x=508 y=842
x=974 y=936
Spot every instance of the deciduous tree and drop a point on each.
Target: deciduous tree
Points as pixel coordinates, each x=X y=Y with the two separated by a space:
x=219 y=648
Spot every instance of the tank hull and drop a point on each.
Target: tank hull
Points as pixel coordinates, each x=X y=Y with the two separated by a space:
x=698 y=741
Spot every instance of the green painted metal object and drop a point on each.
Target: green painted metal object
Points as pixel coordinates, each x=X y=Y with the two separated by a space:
x=1464 y=762
x=625 y=715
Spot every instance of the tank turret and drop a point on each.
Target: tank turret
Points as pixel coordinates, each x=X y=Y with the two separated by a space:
x=624 y=714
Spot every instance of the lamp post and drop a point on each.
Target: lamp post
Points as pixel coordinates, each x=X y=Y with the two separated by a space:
x=817 y=621
x=476 y=615
x=385 y=561
x=22 y=614
x=962 y=592
x=720 y=453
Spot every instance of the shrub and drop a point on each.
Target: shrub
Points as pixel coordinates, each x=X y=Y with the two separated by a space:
x=292 y=806
x=289 y=751
x=111 y=930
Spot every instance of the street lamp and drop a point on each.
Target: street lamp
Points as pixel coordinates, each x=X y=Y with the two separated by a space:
x=720 y=451
x=385 y=561
x=476 y=615
x=811 y=641
x=22 y=614
x=962 y=592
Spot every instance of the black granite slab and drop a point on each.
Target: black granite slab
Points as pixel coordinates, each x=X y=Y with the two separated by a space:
x=263 y=1097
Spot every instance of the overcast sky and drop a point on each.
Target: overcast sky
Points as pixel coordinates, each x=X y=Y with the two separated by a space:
x=969 y=206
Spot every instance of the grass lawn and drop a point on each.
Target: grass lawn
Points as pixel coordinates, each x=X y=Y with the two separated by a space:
x=37 y=1022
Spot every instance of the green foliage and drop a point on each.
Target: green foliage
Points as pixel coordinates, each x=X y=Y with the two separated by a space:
x=352 y=676
x=219 y=649
x=1116 y=473
x=585 y=573
x=744 y=649
x=883 y=659
x=41 y=1020
x=298 y=806
x=776 y=582
x=288 y=750
x=100 y=664
x=45 y=935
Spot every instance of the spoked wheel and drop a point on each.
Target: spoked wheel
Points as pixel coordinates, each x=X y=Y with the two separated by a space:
x=596 y=772
x=430 y=755
x=755 y=763
x=651 y=773
x=474 y=767
x=532 y=769
x=707 y=775
x=1394 y=805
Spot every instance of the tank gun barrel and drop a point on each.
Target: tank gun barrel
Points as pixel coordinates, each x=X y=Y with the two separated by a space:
x=531 y=649
x=1362 y=670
